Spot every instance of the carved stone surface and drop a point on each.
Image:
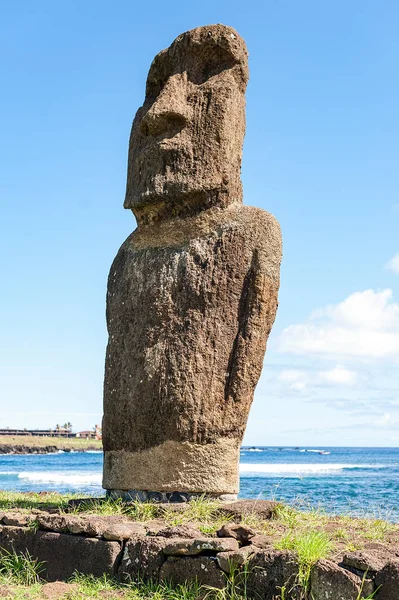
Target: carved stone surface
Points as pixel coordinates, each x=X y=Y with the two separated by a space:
x=179 y=531
x=234 y=559
x=387 y=581
x=271 y=570
x=331 y=582
x=368 y=560
x=123 y=531
x=192 y=292
x=243 y=533
x=142 y=559
x=63 y=554
x=191 y=547
x=203 y=570
x=261 y=509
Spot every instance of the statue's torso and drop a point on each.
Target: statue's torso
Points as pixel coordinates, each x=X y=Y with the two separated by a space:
x=189 y=307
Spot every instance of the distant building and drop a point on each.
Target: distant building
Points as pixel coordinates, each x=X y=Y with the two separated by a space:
x=59 y=432
x=93 y=434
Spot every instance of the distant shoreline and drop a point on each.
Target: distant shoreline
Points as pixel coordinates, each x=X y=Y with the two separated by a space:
x=45 y=445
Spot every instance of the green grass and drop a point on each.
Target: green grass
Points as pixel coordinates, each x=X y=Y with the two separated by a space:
x=138 y=511
x=311 y=534
x=360 y=595
x=376 y=529
x=20 y=569
x=361 y=530
x=29 y=500
x=92 y=587
x=202 y=512
x=32 y=592
x=20 y=577
x=202 y=509
x=309 y=547
x=87 y=586
x=303 y=516
x=235 y=588
x=164 y=591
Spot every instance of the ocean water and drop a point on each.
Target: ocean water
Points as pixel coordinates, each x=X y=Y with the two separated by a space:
x=362 y=481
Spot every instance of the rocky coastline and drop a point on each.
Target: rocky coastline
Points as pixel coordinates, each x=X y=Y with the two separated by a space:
x=48 y=449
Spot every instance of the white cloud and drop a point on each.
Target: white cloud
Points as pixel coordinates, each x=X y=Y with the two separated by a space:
x=296 y=379
x=299 y=386
x=393 y=264
x=292 y=375
x=368 y=308
x=365 y=324
x=300 y=380
x=386 y=421
x=339 y=376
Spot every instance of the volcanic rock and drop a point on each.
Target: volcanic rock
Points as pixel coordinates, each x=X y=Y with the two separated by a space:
x=192 y=292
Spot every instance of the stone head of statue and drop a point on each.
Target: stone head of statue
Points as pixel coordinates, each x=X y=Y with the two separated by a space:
x=186 y=142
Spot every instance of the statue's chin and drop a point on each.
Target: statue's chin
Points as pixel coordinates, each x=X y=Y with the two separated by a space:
x=161 y=194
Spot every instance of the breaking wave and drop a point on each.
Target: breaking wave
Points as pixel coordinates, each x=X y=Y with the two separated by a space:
x=301 y=468
x=58 y=477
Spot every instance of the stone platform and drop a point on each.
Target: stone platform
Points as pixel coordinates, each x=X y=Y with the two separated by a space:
x=130 y=550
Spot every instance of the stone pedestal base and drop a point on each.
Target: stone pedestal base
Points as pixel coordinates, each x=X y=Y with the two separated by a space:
x=181 y=468
x=168 y=497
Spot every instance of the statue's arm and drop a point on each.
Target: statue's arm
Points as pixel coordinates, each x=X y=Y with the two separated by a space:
x=257 y=311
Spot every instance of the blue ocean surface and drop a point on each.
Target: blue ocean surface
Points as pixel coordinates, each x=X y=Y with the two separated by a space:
x=363 y=481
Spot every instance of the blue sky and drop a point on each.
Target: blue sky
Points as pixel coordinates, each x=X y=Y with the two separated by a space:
x=321 y=153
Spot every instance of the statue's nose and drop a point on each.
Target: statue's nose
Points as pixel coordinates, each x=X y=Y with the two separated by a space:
x=170 y=111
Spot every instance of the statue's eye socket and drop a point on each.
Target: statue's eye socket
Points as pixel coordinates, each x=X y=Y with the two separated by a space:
x=200 y=73
x=209 y=69
x=155 y=87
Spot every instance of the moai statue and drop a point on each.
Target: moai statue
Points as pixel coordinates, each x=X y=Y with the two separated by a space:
x=192 y=292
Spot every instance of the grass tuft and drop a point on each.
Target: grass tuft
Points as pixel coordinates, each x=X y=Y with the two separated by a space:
x=376 y=529
x=138 y=511
x=94 y=587
x=165 y=591
x=29 y=500
x=310 y=547
x=202 y=511
x=20 y=569
x=360 y=594
x=235 y=588
x=300 y=515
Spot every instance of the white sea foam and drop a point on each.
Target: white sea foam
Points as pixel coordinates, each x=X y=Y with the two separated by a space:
x=301 y=468
x=94 y=478
x=60 y=477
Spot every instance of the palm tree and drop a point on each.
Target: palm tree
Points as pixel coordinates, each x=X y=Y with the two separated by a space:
x=68 y=427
